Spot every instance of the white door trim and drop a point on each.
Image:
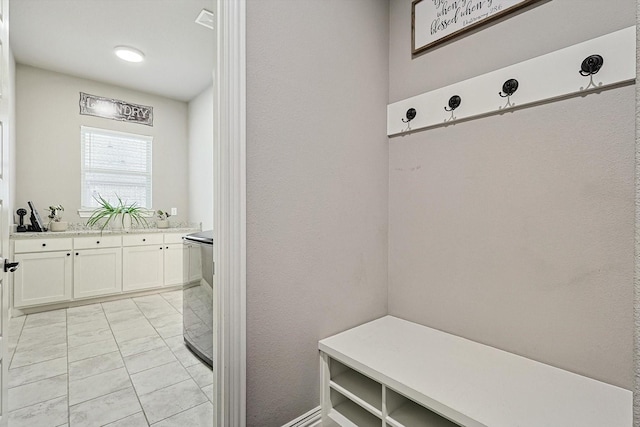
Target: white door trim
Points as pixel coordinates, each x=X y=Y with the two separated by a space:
x=229 y=201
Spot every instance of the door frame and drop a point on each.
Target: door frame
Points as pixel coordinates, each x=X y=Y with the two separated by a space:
x=229 y=202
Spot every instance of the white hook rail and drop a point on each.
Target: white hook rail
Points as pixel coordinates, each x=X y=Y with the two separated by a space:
x=552 y=76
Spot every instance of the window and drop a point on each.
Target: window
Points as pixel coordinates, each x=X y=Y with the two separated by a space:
x=115 y=163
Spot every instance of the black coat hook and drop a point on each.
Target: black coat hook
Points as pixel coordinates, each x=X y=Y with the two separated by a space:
x=454 y=102
x=591 y=65
x=411 y=114
x=509 y=88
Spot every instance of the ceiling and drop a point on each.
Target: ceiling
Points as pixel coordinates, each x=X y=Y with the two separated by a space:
x=77 y=37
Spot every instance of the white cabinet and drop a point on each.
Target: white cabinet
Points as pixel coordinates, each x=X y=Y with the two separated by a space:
x=56 y=269
x=173 y=264
x=43 y=277
x=97 y=272
x=142 y=267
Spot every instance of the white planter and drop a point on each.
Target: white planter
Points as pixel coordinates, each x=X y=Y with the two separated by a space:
x=58 y=226
x=162 y=223
x=121 y=222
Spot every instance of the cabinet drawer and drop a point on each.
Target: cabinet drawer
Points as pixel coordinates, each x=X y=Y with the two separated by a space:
x=97 y=242
x=142 y=239
x=42 y=245
x=170 y=238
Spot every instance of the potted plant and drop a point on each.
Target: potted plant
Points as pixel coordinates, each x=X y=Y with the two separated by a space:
x=55 y=219
x=121 y=214
x=163 y=219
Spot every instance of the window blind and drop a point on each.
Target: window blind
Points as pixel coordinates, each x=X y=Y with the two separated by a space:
x=115 y=163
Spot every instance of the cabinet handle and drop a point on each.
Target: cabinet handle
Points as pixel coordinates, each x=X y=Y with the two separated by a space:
x=98 y=242
x=144 y=240
x=77 y=254
x=166 y=247
x=68 y=254
x=160 y=247
x=44 y=244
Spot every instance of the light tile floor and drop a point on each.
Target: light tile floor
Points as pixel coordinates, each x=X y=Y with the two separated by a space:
x=120 y=363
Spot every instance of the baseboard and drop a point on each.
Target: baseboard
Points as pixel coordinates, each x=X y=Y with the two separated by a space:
x=313 y=418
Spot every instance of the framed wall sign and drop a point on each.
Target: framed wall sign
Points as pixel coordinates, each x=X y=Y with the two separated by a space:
x=437 y=21
x=115 y=109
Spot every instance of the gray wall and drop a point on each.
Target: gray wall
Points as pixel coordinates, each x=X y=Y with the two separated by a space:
x=517 y=230
x=48 y=141
x=200 y=148
x=317 y=181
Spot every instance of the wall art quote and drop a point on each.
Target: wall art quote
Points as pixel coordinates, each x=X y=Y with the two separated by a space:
x=436 y=21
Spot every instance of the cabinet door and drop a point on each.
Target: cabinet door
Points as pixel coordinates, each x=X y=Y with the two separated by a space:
x=173 y=264
x=42 y=278
x=142 y=267
x=97 y=272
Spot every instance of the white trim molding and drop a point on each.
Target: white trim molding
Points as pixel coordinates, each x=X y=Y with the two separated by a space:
x=312 y=418
x=229 y=201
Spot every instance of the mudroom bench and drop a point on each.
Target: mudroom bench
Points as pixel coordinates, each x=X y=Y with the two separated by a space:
x=395 y=373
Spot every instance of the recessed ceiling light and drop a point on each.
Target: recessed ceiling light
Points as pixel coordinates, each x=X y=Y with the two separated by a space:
x=205 y=18
x=129 y=54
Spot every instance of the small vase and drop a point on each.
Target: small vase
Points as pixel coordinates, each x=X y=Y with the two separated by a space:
x=162 y=223
x=59 y=226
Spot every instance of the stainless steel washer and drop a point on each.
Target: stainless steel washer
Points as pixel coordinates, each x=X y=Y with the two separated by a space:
x=197 y=297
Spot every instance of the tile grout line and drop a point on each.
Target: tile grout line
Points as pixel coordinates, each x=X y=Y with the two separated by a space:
x=37 y=403
x=68 y=373
x=125 y=367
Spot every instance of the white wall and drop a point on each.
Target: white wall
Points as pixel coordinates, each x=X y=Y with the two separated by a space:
x=317 y=179
x=48 y=140
x=200 y=118
x=516 y=230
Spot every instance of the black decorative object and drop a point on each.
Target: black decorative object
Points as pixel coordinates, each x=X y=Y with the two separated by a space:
x=509 y=88
x=36 y=222
x=411 y=114
x=591 y=65
x=21 y=227
x=454 y=102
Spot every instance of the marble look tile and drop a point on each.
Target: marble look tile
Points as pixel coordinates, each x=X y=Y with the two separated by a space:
x=118 y=305
x=90 y=350
x=95 y=365
x=126 y=324
x=208 y=391
x=88 y=326
x=46 y=318
x=201 y=415
x=159 y=377
x=184 y=355
x=125 y=316
x=105 y=409
x=89 y=337
x=149 y=359
x=141 y=345
x=169 y=331
x=37 y=392
x=142 y=331
x=37 y=371
x=74 y=319
x=37 y=354
x=168 y=401
x=28 y=342
x=201 y=374
x=172 y=319
x=46 y=414
x=15 y=326
x=98 y=385
x=84 y=310
x=135 y=420
x=44 y=331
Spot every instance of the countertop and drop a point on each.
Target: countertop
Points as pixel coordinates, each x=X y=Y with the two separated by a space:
x=81 y=233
